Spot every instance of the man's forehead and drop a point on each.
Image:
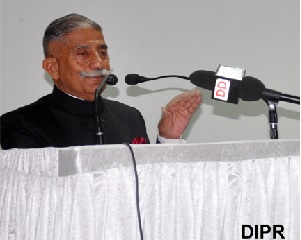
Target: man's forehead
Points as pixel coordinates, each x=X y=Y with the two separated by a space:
x=85 y=35
x=79 y=38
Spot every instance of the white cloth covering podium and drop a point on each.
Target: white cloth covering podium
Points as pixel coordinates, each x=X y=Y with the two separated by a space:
x=187 y=192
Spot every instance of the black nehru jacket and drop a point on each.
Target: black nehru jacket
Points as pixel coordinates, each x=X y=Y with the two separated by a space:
x=60 y=120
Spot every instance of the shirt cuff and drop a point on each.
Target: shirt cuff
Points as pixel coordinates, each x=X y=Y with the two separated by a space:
x=174 y=141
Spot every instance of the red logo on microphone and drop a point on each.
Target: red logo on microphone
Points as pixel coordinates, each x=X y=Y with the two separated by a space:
x=221 y=89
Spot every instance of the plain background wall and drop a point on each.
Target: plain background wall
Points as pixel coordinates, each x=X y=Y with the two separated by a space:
x=154 y=38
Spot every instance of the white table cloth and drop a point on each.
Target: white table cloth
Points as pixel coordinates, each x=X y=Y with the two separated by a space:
x=189 y=191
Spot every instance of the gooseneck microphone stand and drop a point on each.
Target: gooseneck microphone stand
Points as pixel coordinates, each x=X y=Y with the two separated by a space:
x=99 y=132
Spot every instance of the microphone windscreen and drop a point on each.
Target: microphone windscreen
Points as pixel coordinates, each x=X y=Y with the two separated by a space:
x=132 y=79
x=112 y=79
x=251 y=89
x=203 y=79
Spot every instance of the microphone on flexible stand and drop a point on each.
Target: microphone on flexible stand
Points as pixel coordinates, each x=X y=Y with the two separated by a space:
x=110 y=79
x=248 y=88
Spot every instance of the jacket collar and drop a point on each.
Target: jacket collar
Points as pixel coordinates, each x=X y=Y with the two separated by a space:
x=74 y=105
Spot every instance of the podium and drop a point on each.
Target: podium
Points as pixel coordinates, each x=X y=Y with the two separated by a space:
x=187 y=191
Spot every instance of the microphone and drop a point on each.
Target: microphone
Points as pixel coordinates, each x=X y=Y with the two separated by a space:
x=224 y=84
x=133 y=79
x=252 y=89
x=112 y=79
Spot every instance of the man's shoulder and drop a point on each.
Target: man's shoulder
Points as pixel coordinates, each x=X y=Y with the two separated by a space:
x=29 y=109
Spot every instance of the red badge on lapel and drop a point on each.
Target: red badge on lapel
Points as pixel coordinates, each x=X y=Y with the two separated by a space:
x=138 y=140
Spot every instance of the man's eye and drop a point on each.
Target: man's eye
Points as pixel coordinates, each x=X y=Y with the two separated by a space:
x=81 y=53
x=103 y=53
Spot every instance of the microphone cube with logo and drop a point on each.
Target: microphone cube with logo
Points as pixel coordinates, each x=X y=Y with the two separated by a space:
x=228 y=80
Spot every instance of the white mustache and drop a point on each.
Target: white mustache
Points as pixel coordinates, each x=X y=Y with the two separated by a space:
x=96 y=73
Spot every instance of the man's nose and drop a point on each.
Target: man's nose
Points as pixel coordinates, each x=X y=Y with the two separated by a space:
x=96 y=62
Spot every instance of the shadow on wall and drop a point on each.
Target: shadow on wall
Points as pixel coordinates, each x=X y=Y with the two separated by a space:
x=228 y=110
x=111 y=91
x=48 y=79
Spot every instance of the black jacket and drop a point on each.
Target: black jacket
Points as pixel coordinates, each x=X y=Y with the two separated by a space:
x=60 y=120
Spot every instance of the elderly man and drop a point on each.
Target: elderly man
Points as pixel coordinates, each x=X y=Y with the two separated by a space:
x=75 y=57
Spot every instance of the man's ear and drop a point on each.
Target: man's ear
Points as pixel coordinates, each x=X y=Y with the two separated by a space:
x=50 y=65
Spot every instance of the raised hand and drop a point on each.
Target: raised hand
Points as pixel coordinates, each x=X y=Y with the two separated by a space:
x=177 y=114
